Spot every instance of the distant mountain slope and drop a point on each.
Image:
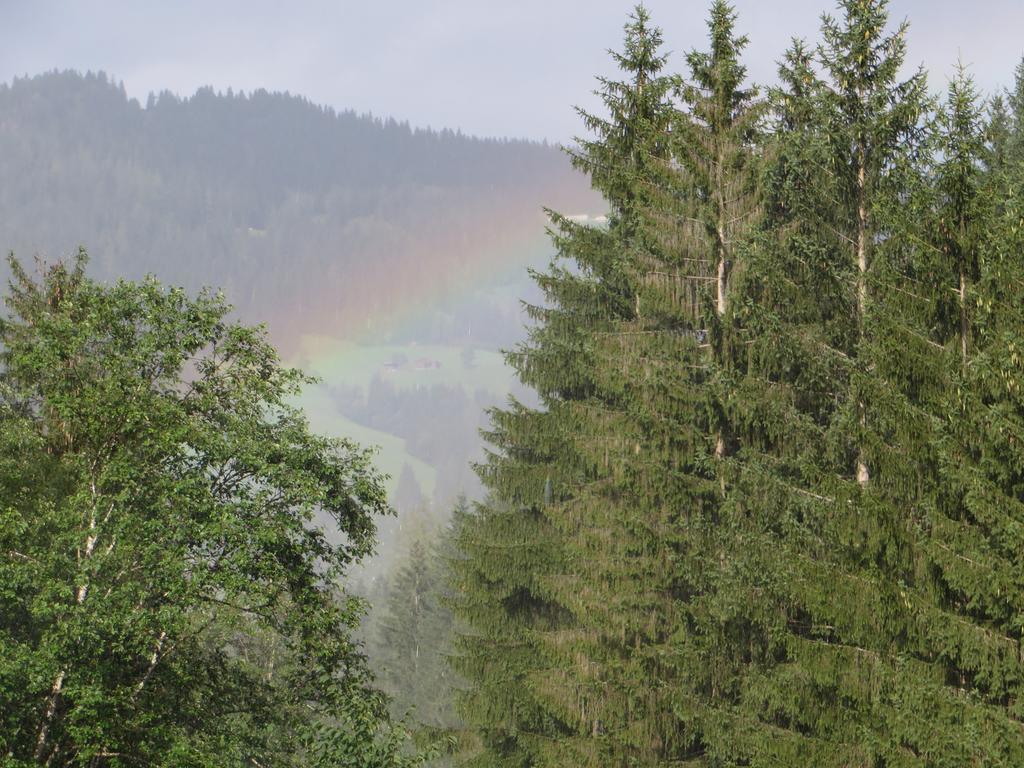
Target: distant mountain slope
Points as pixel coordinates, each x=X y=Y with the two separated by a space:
x=360 y=242
x=309 y=219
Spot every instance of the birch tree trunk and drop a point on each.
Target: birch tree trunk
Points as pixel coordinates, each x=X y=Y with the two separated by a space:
x=43 y=748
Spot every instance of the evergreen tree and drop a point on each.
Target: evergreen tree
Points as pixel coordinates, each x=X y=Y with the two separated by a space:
x=497 y=599
x=1015 y=107
x=775 y=474
x=672 y=361
x=551 y=470
x=960 y=205
x=704 y=222
x=611 y=677
x=1003 y=157
x=998 y=132
x=820 y=582
x=619 y=358
x=714 y=142
x=967 y=547
x=414 y=638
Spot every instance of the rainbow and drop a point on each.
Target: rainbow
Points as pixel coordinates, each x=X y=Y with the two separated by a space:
x=398 y=291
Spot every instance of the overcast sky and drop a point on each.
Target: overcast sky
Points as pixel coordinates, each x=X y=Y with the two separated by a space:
x=487 y=67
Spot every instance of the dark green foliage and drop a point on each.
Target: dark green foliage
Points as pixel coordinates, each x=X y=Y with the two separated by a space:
x=766 y=515
x=1015 y=109
x=534 y=660
x=837 y=453
x=998 y=132
x=615 y=574
x=969 y=541
x=171 y=540
x=497 y=595
x=615 y=472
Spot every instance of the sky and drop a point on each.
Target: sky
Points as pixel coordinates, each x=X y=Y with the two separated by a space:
x=485 y=67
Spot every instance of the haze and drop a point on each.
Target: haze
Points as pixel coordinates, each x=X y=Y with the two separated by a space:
x=487 y=68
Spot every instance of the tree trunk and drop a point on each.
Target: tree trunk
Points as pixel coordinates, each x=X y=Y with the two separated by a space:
x=43 y=740
x=964 y=323
x=863 y=473
x=43 y=749
x=721 y=297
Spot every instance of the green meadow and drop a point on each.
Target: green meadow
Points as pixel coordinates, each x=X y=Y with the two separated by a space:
x=347 y=365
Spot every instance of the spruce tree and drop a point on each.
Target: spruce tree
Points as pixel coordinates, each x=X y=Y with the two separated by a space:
x=998 y=131
x=766 y=513
x=967 y=544
x=708 y=199
x=413 y=639
x=867 y=646
x=820 y=586
x=499 y=606
x=630 y=485
x=612 y=678
x=675 y=360
x=1015 y=105
x=553 y=470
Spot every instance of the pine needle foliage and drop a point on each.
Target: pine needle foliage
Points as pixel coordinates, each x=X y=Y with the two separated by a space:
x=626 y=465
x=766 y=512
x=1015 y=110
x=553 y=470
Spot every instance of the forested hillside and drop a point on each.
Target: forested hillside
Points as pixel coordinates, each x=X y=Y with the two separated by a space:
x=308 y=219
